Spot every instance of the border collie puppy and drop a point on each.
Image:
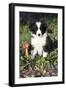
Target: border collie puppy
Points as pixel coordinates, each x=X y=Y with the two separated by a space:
x=39 y=35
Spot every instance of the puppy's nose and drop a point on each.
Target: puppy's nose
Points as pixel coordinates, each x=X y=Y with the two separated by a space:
x=38 y=34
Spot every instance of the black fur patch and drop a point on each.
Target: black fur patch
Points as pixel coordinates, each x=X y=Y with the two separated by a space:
x=33 y=28
x=43 y=28
x=50 y=45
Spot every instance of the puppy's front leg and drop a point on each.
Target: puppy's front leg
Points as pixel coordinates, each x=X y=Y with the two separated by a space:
x=33 y=52
x=45 y=54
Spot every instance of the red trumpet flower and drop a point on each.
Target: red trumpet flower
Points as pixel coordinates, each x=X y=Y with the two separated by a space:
x=26 y=46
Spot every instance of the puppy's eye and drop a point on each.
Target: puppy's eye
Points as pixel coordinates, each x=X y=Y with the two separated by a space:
x=43 y=27
x=35 y=27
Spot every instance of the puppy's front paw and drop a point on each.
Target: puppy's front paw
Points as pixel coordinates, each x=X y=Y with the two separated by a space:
x=33 y=53
x=45 y=54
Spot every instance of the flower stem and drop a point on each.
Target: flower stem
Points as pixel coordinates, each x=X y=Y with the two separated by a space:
x=26 y=52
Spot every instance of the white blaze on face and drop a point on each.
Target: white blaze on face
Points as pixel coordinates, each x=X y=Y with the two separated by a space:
x=38 y=26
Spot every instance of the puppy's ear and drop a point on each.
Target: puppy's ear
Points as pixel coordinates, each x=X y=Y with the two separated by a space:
x=31 y=24
x=44 y=22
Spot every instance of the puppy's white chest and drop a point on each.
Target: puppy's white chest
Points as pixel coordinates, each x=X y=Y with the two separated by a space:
x=38 y=42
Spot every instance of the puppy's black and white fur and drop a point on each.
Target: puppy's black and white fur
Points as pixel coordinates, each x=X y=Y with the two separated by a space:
x=39 y=39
